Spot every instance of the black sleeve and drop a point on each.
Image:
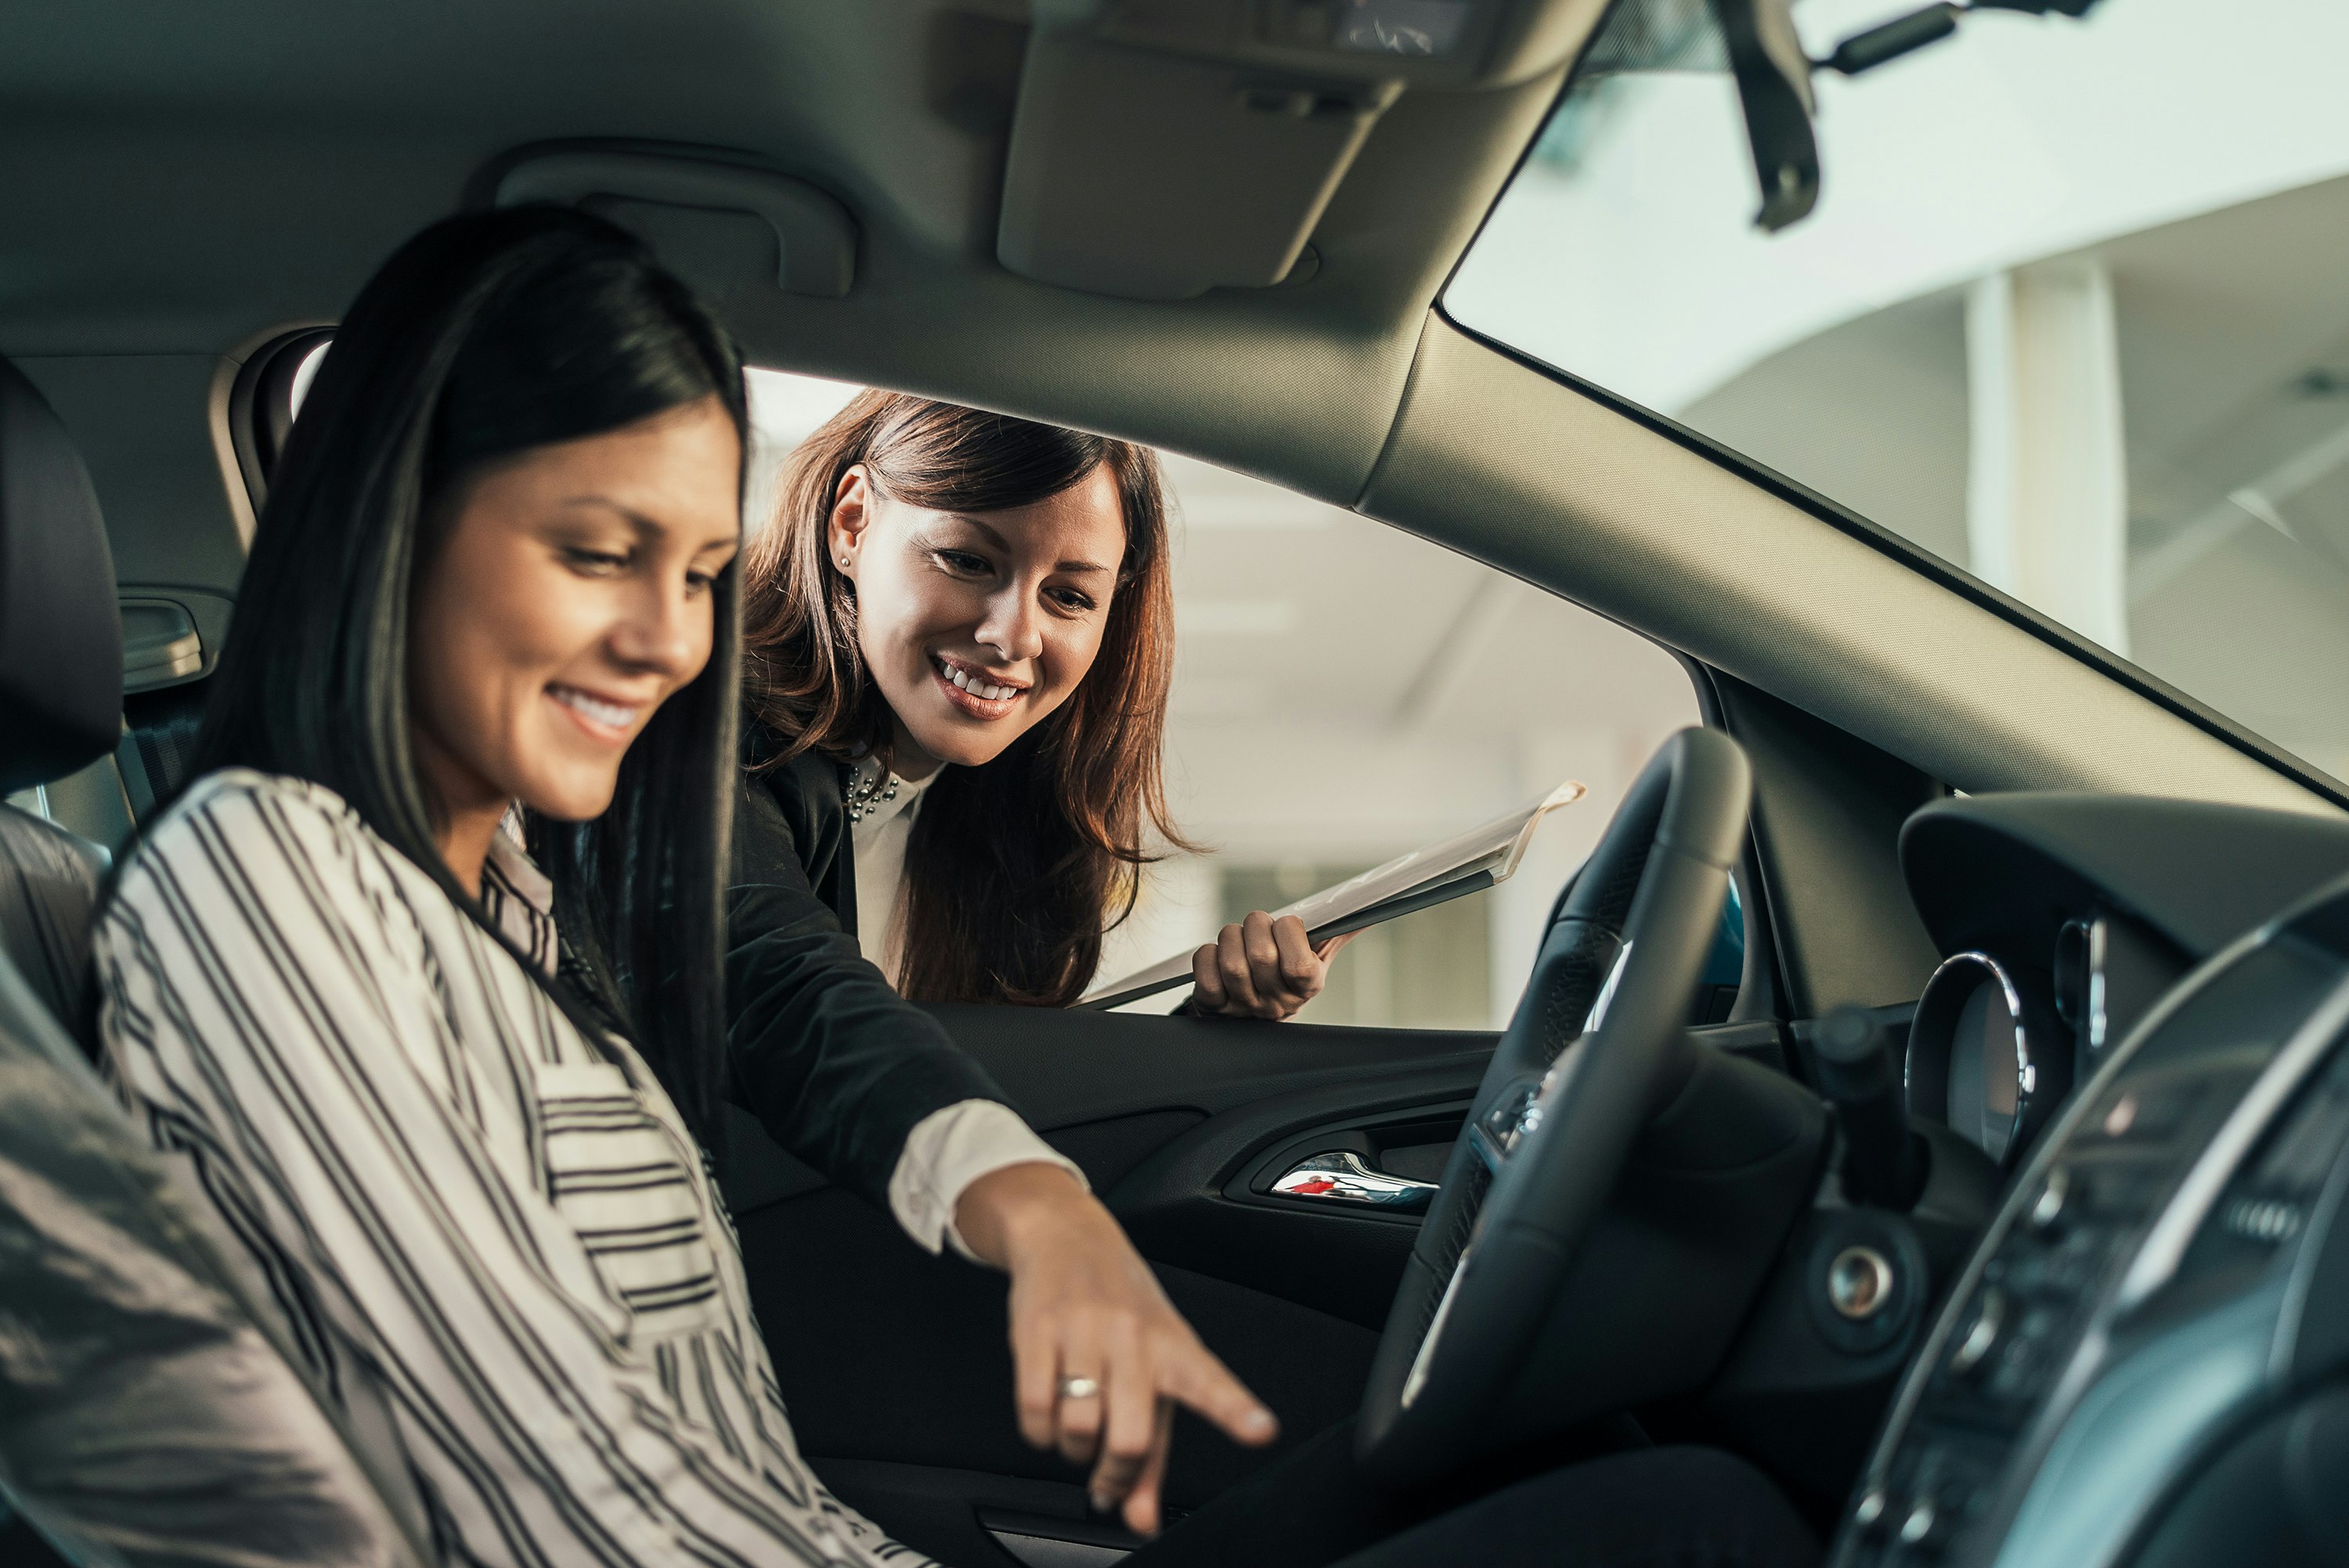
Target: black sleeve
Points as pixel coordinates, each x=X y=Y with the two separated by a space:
x=836 y=1066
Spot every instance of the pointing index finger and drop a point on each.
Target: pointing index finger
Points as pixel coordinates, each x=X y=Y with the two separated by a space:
x=1197 y=1380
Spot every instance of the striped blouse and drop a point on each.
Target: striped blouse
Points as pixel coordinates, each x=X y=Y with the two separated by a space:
x=497 y=1246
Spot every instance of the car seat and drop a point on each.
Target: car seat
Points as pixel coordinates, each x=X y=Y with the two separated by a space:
x=147 y=1416
x=60 y=692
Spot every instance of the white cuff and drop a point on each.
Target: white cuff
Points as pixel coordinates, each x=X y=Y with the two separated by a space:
x=947 y=1151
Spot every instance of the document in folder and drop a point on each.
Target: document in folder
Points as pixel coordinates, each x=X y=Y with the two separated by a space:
x=1483 y=857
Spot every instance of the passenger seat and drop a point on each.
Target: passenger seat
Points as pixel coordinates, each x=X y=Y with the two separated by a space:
x=147 y=1415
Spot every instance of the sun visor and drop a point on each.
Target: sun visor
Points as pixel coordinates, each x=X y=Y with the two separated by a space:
x=1163 y=148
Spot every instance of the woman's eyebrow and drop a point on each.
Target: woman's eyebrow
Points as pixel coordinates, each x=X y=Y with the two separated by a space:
x=993 y=538
x=635 y=518
x=1005 y=545
x=646 y=527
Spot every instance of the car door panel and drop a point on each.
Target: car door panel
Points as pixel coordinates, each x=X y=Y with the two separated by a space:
x=1064 y=1069
x=1197 y=1203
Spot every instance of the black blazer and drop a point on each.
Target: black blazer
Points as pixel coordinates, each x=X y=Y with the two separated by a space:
x=836 y=1066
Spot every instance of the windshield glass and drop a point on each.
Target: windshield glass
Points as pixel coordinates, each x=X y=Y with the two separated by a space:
x=2072 y=312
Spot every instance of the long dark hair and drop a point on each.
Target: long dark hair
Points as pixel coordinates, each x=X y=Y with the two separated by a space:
x=1015 y=868
x=484 y=336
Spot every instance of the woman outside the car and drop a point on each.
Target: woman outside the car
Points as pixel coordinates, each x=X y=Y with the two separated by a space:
x=959 y=638
x=423 y=974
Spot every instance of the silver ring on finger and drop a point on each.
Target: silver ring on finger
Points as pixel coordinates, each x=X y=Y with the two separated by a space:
x=1080 y=1388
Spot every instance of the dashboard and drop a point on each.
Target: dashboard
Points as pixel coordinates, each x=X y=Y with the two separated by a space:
x=2146 y=1360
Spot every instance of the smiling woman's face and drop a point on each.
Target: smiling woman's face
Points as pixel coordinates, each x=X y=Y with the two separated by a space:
x=975 y=625
x=569 y=599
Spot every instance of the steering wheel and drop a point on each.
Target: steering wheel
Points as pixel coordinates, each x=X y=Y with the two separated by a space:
x=1598 y=1046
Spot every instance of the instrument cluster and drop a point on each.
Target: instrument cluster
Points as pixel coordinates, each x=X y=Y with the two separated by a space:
x=1998 y=1040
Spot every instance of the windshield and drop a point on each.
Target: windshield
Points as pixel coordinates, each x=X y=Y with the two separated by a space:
x=2072 y=312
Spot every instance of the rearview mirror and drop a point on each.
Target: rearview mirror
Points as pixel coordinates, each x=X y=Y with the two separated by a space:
x=1773 y=71
x=1774 y=84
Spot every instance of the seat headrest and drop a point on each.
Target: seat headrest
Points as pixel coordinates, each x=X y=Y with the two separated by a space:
x=60 y=631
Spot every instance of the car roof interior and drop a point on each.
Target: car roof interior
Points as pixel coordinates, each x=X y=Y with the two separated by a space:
x=190 y=186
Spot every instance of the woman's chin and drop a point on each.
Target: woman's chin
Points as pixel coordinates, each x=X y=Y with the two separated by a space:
x=570 y=798
x=964 y=742
x=970 y=756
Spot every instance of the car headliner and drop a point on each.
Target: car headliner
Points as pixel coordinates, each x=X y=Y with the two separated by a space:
x=182 y=183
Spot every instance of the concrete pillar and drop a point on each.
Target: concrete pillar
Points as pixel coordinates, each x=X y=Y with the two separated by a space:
x=2047 y=472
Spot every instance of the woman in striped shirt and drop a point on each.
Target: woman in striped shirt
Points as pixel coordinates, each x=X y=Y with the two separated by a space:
x=423 y=978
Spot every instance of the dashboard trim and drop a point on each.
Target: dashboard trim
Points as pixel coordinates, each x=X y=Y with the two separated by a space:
x=2164 y=1247
x=2292 y=1316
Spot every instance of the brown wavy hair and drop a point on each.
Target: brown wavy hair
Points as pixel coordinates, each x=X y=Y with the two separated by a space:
x=1015 y=868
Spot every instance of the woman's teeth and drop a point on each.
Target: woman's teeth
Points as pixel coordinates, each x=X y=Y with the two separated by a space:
x=611 y=715
x=986 y=691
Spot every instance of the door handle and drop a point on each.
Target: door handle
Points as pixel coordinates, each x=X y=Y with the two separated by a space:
x=1341 y=1177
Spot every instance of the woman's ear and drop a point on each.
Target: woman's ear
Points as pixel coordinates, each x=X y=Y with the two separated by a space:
x=851 y=512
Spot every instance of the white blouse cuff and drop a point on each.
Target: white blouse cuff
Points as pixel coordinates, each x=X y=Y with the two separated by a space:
x=947 y=1151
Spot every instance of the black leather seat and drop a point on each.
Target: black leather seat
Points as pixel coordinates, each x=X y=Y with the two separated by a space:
x=60 y=693
x=147 y=1416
